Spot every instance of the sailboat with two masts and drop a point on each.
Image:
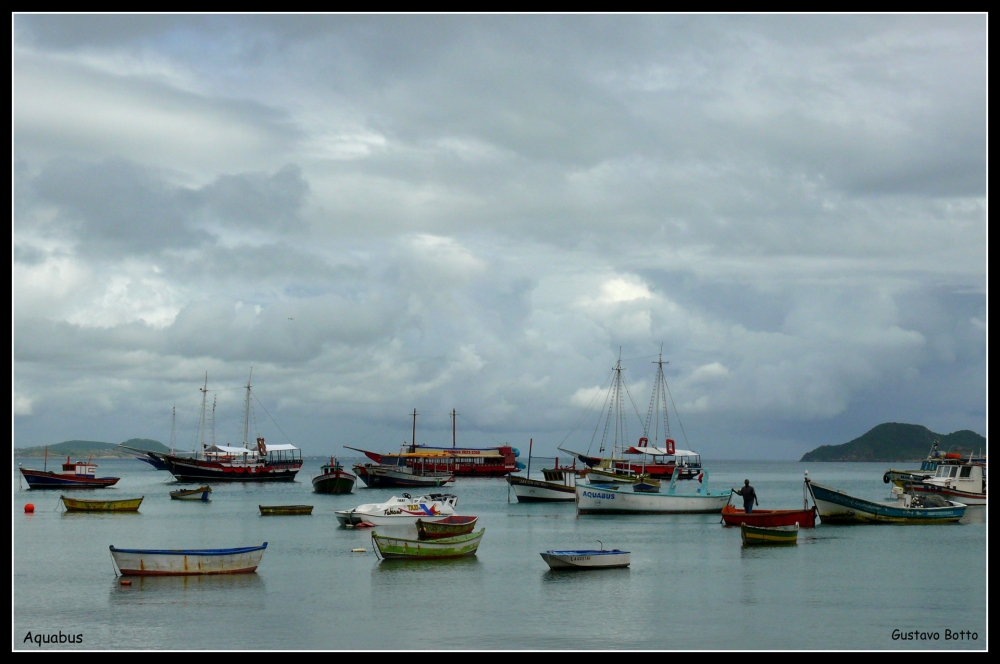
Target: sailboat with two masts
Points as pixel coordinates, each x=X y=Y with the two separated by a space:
x=642 y=459
x=223 y=463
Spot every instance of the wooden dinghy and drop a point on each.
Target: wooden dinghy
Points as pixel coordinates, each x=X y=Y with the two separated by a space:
x=587 y=559
x=754 y=535
x=284 y=510
x=187 y=562
x=87 y=505
x=434 y=549
x=450 y=527
x=201 y=493
x=734 y=516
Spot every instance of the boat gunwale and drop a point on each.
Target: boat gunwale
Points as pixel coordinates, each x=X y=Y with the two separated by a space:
x=191 y=552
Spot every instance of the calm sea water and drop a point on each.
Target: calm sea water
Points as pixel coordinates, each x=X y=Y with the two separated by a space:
x=691 y=586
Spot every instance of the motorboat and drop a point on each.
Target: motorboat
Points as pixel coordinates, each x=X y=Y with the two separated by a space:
x=401 y=510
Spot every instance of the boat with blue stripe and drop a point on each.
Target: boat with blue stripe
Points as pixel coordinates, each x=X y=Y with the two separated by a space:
x=838 y=507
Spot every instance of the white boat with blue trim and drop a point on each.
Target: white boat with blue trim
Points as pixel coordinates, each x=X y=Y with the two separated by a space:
x=838 y=507
x=597 y=500
x=580 y=559
x=187 y=562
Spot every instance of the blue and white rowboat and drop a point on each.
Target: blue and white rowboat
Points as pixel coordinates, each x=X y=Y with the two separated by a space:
x=587 y=559
x=187 y=562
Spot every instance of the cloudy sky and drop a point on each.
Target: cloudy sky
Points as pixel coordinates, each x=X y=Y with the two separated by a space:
x=382 y=213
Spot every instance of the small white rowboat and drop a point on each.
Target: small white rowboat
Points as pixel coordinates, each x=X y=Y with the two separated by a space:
x=187 y=562
x=587 y=559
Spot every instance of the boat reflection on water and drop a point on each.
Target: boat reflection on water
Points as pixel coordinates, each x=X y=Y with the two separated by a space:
x=166 y=586
x=390 y=569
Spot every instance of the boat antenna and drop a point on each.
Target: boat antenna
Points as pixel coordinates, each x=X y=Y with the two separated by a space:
x=204 y=397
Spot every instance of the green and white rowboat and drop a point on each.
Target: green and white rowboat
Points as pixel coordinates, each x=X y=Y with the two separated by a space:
x=412 y=549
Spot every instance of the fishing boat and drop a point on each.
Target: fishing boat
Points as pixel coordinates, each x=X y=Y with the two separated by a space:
x=658 y=462
x=587 y=559
x=804 y=518
x=85 y=505
x=838 y=507
x=401 y=510
x=755 y=535
x=333 y=479
x=449 y=461
x=399 y=475
x=222 y=463
x=449 y=527
x=962 y=481
x=927 y=469
x=201 y=493
x=559 y=484
x=74 y=475
x=284 y=510
x=433 y=549
x=603 y=500
x=187 y=562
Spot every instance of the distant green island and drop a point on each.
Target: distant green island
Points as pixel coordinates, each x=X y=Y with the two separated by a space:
x=898 y=442
x=92 y=448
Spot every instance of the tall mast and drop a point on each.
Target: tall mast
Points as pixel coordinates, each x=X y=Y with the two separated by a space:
x=656 y=401
x=453 y=427
x=204 y=398
x=173 y=430
x=618 y=405
x=413 y=436
x=215 y=400
x=246 y=414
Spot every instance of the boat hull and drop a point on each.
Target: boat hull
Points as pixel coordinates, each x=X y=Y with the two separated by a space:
x=82 y=505
x=592 y=500
x=451 y=526
x=40 y=479
x=196 y=470
x=154 y=460
x=734 y=516
x=201 y=493
x=285 y=510
x=948 y=493
x=538 y=491
x=187 y=562
x=336 y=482
x=837 y=507
x=434 y=549
x=388 y=478
x=587 y=560
x=756 y=535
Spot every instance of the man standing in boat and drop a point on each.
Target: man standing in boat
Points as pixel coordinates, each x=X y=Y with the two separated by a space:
x=749 y=496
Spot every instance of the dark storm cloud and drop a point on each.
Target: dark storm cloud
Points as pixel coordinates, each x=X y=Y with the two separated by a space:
x=117 y=207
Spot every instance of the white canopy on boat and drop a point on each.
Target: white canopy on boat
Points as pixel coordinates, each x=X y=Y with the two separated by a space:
x=225 y=449
x=661 y=451
x=283 y=447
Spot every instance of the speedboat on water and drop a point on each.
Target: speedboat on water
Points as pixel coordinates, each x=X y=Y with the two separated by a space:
x=401 y=510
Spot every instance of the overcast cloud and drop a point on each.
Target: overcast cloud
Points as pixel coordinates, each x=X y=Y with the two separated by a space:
x=382 y=213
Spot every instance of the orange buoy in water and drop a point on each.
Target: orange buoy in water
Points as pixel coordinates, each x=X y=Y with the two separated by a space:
x=29 y=509
x=126 y=583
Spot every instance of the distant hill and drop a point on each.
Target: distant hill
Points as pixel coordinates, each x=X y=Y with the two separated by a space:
x=897 y=442
x=88 y=448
